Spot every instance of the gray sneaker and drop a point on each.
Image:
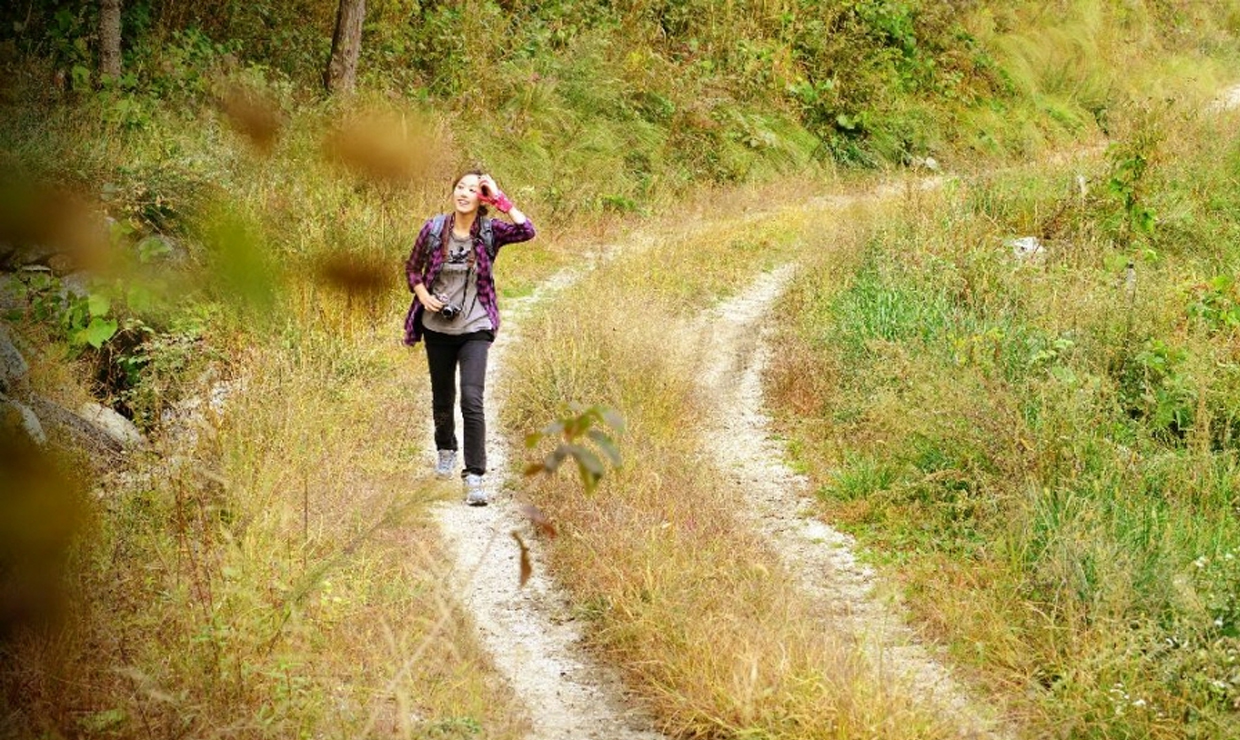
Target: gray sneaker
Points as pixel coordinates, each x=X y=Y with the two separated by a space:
x=475 y=492
x=446 y=464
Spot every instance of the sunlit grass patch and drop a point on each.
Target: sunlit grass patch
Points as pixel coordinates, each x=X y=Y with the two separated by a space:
x=276 y=575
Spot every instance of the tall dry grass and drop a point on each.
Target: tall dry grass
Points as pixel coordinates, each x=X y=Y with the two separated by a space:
x=275 y=575
x=280 y=579
x=705 y=622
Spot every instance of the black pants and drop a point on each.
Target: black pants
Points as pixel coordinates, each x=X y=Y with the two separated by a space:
x=444 y=353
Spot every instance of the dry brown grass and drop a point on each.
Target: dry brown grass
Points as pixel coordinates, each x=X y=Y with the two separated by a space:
x=285 y=581
x=707 y=625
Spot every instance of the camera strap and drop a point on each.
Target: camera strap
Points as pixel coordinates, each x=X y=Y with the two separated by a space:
x=469 y=274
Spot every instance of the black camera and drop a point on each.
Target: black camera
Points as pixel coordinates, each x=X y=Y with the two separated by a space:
x=450 y=310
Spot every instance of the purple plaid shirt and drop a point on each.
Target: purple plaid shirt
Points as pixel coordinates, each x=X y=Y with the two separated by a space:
x=426 y=260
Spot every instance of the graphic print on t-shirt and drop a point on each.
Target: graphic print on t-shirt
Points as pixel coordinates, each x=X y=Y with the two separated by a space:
x=456 y=285
x=458 y=250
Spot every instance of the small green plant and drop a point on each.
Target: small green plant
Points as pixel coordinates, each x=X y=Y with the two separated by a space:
x=574 y=430
x=1128 y=171
x=84 y=320
x=1129 y=184
x=1215 y=303
x=1155 y=389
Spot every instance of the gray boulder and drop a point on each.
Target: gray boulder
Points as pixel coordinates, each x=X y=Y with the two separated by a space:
x=13 y=366
x=20 y=419
x=12 y=294
x=75 y=285
x=29 y=254
x=68 y=430
x=115 y=426
x=161 y=248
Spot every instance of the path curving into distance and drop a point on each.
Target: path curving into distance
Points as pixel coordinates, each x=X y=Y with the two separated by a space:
x=530 y=633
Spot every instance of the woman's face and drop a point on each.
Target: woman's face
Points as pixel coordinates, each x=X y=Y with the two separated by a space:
x=465 y=194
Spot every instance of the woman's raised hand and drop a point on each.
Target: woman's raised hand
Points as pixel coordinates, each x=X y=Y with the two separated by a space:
x=490 y=193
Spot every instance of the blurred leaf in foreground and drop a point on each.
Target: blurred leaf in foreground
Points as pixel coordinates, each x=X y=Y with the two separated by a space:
x=39 y=518
x=356 y=274
x=527 y=568
x=395 y=149
x=574 y=430
x=241 y=268
x=253 y=115
x=47 y=223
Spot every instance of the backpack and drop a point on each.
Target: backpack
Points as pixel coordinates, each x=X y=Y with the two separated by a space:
x=484 y=230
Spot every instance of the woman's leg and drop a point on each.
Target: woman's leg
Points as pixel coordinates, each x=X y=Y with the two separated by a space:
x=473 y=361
x=442 y=359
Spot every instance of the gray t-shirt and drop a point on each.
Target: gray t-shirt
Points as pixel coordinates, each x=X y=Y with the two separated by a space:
x=458 y=282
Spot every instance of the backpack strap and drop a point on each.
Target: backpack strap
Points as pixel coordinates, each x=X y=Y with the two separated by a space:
x=421 y=261
x=488 y=236
x=437 y=223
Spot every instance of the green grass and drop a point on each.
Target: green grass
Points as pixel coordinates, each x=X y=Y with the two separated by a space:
x=1044 y=454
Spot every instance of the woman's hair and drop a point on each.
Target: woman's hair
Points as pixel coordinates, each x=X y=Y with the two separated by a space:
x=476 y=172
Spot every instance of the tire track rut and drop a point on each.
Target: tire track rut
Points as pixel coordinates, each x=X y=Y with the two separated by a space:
x=776 y=503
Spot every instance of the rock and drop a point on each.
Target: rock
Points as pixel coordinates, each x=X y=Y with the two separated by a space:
x=1027 y=248
x=13 y=366
x=69 y=429
x=18 y=418
x=61 y=264
x=161 y=248
x=115 y=426
x=186 y=420
x=12 y=294
x=76 y=285
x=31 y=254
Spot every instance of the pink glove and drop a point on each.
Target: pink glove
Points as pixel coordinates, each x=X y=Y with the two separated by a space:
x=493 y=196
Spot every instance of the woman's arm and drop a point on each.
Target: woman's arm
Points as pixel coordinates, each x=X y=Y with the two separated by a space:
x=520 y=230
x=511 y=233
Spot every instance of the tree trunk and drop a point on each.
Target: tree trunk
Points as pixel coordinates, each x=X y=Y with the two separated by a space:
x=110 y=38
x=341 y=74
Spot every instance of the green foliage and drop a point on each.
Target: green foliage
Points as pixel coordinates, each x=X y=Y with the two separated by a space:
x=1058 y=435
x=1129 y=165
x=452 y=728
x=575 y=429
x=1215 y=303
x=1154 y=388
x=868 y=81
x=881 y=304
x=83 y=320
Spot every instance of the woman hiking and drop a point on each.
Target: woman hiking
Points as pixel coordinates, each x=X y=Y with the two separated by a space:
x=455 y=314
